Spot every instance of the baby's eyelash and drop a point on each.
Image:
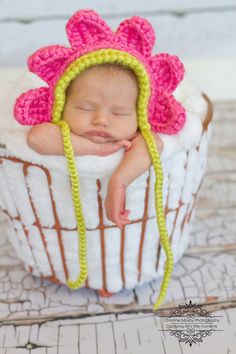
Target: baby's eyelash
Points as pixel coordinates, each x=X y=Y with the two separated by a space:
x=121 y=114
x=83 y=109
x=90 y=110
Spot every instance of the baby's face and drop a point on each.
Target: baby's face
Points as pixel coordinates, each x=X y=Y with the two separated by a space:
x=102 y=102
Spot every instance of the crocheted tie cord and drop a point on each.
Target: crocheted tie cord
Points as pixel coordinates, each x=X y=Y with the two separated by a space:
x=93 y=43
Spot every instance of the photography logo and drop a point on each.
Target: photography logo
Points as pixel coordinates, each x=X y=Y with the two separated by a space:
x=190 y=323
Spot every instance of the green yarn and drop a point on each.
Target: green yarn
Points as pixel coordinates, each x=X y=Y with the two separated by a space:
x=78 y=66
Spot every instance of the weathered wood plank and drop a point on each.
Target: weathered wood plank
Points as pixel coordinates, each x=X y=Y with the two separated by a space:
x=177 y=35
x=214 y=228
x=19 y=351
x=140 y=334
x=218 y=191
x=88 y=339
x=31 y=10
x=105 y=339
x=68 y=339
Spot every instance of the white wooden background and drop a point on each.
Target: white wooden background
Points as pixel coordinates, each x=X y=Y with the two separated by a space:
x=201 y=32
x=191 y=29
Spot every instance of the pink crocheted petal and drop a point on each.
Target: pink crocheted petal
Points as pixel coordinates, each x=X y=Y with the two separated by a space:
x=32 y=107
x=169 y=115
x=137 y=33
x=47 y=61
x=168 y=71
x=87 y=27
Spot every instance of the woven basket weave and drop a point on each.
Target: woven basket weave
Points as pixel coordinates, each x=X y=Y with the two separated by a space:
x=47 y=242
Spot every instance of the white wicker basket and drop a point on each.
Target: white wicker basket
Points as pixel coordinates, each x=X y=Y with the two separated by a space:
x=36 y=198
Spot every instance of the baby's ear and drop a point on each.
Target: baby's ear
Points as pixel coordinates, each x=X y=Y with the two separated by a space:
x=86 y=26
x=168 y=71
x=137 y=33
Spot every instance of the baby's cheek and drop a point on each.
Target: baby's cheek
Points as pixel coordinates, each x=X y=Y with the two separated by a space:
x=76 y=125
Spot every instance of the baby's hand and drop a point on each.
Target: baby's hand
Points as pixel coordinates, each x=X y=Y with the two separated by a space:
x=115 y=203
x=110 y=147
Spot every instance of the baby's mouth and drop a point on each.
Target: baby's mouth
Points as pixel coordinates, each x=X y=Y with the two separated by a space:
x=98 y=139
x=99 y=133
x=99 y=136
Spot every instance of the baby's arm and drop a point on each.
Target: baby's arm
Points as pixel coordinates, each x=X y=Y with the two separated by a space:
x=46 y=139
x=137 y=160
x=134 y=163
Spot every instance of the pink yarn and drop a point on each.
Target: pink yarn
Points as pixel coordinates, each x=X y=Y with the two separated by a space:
x=88 y=32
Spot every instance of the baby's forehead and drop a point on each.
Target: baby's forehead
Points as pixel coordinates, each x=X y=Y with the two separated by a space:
x=110 y=69
x=106 y=71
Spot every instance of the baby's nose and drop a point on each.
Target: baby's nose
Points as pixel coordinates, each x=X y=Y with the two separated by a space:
x=100 y=118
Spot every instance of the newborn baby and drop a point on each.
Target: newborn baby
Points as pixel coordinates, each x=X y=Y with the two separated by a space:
x=100 y=109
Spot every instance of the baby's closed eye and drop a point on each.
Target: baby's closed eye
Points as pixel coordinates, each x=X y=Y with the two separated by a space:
x=90 y=109
x=84 y=108
x=121 y=114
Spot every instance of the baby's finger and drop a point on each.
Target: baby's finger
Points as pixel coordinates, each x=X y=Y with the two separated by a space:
x=120 y=220
x=124 y=214
x=123 y=223
x=128 y=147
x=123 y=217
x=125 y=143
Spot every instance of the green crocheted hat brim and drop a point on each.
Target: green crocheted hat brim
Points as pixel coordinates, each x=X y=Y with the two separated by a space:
x=84 y=62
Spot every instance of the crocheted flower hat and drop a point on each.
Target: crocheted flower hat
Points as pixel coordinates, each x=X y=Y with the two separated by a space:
x=93 y=42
